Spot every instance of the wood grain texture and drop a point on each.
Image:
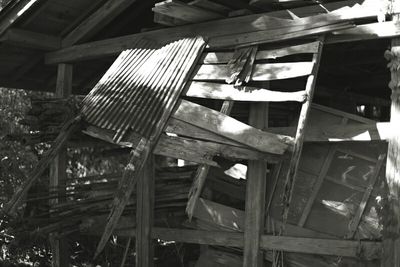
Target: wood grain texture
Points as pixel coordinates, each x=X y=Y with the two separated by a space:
x=220 y=124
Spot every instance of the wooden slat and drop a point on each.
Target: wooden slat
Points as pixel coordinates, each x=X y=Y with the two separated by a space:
x=380 y=131
x=355 y=221
x=144 y=215
x=370 y=249
x=278 y=35
x=255 y=195
x=96 y=21
x=224 y=57
x=32 y=40
x=261 y=72
x=180 y=10
x=299 y=137
x=243 y=93
x=202 y=171
x=220 y=124
x=167 y=20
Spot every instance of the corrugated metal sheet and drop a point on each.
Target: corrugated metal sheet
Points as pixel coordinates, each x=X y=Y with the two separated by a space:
x=140 y=87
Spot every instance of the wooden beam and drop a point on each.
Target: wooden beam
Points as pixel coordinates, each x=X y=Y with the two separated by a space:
x=391 y=219
x=355 y=249
x=255 y=195
x=32 y=40
x=186 y=12
x=144 y=215
x=380 y=131
x=15 y=13
x=202 y=171
x=96 y=21
x=220 y=124
x=58 y=169
x=230 y=26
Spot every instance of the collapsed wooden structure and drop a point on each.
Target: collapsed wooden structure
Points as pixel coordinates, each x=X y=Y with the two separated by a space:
x=239 y=102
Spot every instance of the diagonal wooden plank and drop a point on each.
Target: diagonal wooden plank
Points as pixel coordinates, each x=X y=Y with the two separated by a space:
x=202 y=171
x=231 y=128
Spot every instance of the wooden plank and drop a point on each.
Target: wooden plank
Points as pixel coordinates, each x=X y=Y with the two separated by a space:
x=16 y=13
x=202 y=171
x=299 y=137
x=220 y=124
x=345 y=248
x=32 y=40
x=355 y=221
x=230 y=26
x=96 y=21
x=144 y=215
x=180 y=10
x=380 y=131
x=167 y=20
x=370 y=250
x=317 y=186
x=255 y=195
x=58 y=169
x=242 y=93
x=391 y=240
x=278 y=35
x=261 y=72
x=210 y=5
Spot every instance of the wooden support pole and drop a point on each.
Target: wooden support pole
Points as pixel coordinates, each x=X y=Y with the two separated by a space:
x=59 y=166
x=144 y=215
x=255 y=195
x=391 y=220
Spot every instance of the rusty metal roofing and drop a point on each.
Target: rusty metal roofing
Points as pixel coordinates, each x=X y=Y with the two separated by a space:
x=140 y=87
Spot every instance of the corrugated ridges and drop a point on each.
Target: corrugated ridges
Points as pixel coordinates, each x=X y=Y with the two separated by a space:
x=141 y=86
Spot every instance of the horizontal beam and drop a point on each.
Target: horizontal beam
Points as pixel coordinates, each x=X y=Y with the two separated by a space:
x=31 y=40
x=345 y=248
x=229 y=26
x=380 y=131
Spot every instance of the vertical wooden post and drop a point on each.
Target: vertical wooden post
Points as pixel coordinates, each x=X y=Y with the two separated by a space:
x=144 y=215
x=391 y=220
x=59 y=166
x=255 y=195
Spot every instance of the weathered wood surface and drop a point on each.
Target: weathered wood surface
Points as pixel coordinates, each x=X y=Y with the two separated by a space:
x=345 y=248
x=210 y=5
x=220 y=124
x=255 y=195
x=251 y=23
x=202 y=171
x=145 y=215
x=243 y=93
x=224 y=57
x=261 y=72
x=299 y=137
x=180 y=10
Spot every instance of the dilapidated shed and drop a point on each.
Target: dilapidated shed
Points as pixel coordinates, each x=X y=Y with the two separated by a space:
x=280 y=109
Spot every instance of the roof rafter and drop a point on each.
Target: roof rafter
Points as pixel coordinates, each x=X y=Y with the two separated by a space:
x=96 y=21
